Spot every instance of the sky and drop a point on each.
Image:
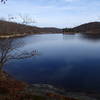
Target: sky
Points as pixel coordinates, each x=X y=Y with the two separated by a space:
x=53 y=13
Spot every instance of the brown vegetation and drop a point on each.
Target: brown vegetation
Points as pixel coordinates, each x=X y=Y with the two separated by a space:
x=88 y=28
x=11 y=89
x=15 y=29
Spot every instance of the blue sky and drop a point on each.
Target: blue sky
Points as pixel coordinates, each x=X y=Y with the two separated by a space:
x=54 y=13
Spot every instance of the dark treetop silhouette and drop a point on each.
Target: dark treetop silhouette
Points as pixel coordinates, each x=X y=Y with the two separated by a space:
x=9 y=50
x=3 y=1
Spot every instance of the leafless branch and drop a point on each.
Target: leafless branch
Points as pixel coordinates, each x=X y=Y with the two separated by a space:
x=26 y=19
x=6 y=52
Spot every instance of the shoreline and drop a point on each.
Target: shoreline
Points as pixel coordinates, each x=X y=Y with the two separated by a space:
x=16 y=90
x=27 y=34
x=22 y=35
x=13 y=36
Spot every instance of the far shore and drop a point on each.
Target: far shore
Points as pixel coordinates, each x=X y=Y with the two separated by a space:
x=22 y=35
x=12 y=36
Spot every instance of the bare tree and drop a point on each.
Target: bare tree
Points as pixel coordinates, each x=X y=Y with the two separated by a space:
x=8 y=51
x=26 y=19
x=11 y=18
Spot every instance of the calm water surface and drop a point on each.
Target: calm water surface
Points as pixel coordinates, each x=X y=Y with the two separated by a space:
x=66 y=61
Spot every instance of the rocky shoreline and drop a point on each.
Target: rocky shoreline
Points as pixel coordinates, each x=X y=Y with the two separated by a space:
x=11 y=89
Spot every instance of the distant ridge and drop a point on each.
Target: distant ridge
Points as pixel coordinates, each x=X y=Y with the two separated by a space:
x=88 y=28
x=12 y=29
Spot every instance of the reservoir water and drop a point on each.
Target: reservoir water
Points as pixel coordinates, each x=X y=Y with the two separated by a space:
x=71 y=62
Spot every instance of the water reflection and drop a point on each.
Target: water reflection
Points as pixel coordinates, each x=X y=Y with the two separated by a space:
x=82 y=36
x=90 y=37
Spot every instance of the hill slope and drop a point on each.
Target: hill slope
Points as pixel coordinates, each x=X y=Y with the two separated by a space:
x=88 y=28
x=11 y=28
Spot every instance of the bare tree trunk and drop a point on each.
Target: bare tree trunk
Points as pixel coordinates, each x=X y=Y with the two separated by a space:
x=1 y=67
x=2 y=75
